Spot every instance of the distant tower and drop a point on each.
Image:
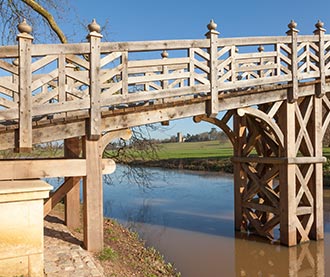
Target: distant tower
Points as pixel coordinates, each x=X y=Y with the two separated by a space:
x=179 y=137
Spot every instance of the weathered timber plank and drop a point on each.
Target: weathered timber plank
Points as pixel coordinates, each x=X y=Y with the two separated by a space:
x=42 y=62
x=152 y=95
x=250 y=41
x=54 y=49
x=31 y=169
x=44 y=79
x=66 y=106
x=9 y=67
x=78 y=61
x=259 y=55
x=8 y=84
x=8 y=51
x=167 y=61
x=160 y=77
x=110 y=58
x=141 y=46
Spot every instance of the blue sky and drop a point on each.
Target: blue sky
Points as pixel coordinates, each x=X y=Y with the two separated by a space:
x=184 y=19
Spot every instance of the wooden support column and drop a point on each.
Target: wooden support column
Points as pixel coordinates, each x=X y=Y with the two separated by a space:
x=94 y=37
x=72 y=149
x=24 y=143
x=317 y=231
x=239 y=174
x=212 y=107
x=93 y=195
x=287 y=175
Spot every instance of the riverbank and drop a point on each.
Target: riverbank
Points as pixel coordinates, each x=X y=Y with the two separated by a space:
x=124 y=253
x=195 y=164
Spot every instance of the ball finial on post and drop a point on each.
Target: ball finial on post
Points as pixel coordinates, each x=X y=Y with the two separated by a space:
x=292 y=24
x=292 y=27
x=319 y=24
x=212 y=26
x=164 y=54
x=319 y=27
x=24 y=28
x=94 y=27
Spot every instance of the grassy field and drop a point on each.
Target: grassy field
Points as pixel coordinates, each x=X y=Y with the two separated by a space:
x=188 y=150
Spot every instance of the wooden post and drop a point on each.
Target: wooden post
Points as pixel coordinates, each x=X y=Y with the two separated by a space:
x=94 y=37
x=317 y=231
x=93 y=195
x=321 y=65
x=239 y=173
x=287 y=175
x=24 y=84
x=293 y=32
x=212 y=107
x=72 y=149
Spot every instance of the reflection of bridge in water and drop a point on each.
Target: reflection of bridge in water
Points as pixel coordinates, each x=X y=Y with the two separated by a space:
x=273 y=89
x=269 y=260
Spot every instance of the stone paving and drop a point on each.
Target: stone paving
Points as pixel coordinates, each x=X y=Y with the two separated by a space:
x=64 y=256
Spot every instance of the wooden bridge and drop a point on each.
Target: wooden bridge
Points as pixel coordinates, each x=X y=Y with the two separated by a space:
x=272 y=92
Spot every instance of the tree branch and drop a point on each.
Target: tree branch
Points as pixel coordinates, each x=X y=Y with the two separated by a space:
x=48 y=17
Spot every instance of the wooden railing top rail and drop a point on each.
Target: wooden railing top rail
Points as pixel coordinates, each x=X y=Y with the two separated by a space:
x=58 y=80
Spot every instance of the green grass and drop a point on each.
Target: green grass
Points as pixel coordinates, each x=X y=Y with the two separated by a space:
x=108 y=254
x=186 y=150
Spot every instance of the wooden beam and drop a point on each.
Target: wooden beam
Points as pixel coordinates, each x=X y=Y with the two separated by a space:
x=72 y=149
x=287 y=176
x=53 y=200
x=32 y=169
x=93 y=196
x=317 y=230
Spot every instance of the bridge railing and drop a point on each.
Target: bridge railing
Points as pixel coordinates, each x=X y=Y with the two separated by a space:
x=42 y=81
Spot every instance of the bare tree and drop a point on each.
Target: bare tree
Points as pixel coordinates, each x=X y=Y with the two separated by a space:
x=45 y=17
x=42 y=15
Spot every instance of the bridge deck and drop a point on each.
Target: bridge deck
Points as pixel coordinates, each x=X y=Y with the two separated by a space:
x=63 y=126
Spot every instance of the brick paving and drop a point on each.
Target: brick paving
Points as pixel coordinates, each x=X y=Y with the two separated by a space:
x=64 y=256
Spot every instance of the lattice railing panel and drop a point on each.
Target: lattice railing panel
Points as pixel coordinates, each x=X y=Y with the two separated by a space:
x=308 y=60
x=8 y=84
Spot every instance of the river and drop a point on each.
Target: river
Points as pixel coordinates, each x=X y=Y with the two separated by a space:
x=189 y=218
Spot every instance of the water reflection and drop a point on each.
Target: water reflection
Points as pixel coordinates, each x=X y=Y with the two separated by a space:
x=261 y=259
x=190 y=219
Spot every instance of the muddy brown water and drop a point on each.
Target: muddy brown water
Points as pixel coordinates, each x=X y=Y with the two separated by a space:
x=189 y=218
